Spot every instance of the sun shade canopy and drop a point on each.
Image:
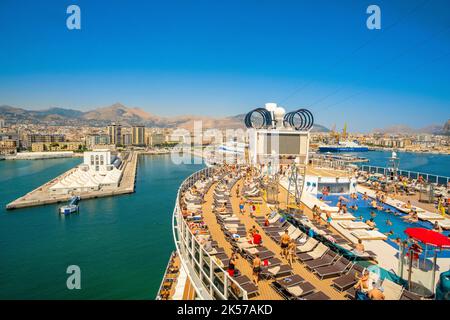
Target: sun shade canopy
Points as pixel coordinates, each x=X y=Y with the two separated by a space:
x=429 y=237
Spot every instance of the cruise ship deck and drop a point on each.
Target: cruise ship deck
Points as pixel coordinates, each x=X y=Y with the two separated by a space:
x=265 y=292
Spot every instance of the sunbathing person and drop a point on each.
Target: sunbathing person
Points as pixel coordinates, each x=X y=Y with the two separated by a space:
x=412 y=217
x=291 y=251
x=376 y=294
x=363 y=282
x=241 y=205
x=390 y=233
x=256 y=238
x=256 y=268
x=284 y=243
x=371 y=223
x=407 y=205
x=344 y=208
x=437 y=227
x=359 y=248
x=374 y=204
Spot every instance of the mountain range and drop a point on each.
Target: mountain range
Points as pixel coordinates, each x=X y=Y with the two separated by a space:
x=404 y=129
x=119 y=113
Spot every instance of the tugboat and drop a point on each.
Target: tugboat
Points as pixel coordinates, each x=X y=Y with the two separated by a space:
x=71 y=207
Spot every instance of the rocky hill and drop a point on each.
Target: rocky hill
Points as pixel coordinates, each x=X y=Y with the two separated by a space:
x=120 y=114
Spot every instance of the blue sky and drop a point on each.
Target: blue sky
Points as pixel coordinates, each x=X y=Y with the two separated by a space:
x=225 y=57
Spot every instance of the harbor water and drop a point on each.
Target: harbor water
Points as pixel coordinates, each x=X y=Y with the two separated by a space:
x=121 y=244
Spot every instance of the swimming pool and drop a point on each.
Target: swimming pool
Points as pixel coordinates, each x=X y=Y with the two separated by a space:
x=381 y=219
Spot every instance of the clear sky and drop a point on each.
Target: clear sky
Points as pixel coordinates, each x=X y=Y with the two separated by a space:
x=225 y=57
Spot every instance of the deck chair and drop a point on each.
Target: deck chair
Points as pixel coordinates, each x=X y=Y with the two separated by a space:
x=333 y=270
x=307 y=246
x=317 y=253
x=325 y=260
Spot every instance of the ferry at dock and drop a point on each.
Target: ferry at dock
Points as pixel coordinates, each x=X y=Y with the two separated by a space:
x=344 y=146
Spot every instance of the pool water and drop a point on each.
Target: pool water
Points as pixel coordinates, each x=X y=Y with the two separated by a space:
x=382 y=218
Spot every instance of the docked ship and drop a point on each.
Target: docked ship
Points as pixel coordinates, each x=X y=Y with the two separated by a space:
x=219 y=253
x=344 y=146
x=231 y=151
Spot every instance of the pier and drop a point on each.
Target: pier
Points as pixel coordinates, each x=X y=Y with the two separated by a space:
x=42 y=195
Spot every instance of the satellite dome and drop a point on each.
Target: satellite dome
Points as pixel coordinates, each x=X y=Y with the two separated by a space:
x=271 y=106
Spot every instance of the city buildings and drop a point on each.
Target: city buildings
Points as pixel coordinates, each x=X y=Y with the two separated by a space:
x=138 y=135
x=115 y=134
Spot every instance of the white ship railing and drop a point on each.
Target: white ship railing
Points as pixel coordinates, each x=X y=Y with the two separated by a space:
x=208 y=278
x=428 y=177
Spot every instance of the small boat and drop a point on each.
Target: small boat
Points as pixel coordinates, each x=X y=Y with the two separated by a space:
x=71 y=207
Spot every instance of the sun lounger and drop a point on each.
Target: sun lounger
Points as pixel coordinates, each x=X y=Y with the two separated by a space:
x=427 y=216
x=276 y=271
x=250 y=288
x=301 y=289
x=317 y=253
x=333 y=270
x=353 y=225
x=319 y=295
x=325 y=260
x=408 y=295
x=349 y=279
x=307 y=246
x=368 y=235
x=342 y=216
x=290 y=281
x=242 y=279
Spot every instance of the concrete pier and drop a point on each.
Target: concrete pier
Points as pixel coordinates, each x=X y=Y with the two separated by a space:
x=42 y=196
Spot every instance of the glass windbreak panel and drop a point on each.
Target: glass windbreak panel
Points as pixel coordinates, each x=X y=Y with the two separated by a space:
x=197 y=269
x=205 y=265
x=196 y=251
x=206 y=282
x=234 y=291
x=189 y=241
x=218 y=279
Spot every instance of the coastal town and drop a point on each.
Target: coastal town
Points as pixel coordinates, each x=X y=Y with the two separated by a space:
x=28 y=140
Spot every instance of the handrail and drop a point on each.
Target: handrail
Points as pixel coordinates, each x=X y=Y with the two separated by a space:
x=408 y=173
x=177 y=222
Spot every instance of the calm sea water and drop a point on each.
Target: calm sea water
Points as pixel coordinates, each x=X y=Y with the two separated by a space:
x=121 y=244
x=437 y=164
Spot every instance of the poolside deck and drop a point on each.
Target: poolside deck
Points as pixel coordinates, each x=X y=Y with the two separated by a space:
x=266 y=292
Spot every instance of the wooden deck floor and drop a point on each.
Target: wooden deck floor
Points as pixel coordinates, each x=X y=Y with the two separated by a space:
x=265 y=290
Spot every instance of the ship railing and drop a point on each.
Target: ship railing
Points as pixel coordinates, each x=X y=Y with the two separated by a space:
x=209 y=279
x=172 y=255
x=427 y=177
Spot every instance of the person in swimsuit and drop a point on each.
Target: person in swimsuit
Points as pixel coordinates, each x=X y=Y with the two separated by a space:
x=291 y=251
x=241 y=205
x=256 y=268
x=285 y=240
x=232 y=265
x=363 y=282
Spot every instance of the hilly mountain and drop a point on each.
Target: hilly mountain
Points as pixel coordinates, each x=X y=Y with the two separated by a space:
x=404 y=129
x=120 y=114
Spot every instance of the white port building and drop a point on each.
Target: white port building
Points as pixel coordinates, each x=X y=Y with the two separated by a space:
x=99 y=171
